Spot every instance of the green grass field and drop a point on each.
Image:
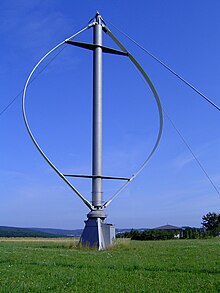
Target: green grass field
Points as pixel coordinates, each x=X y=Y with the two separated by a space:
x=131 y=266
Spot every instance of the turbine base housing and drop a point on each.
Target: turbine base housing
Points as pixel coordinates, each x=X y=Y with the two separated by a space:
x=97 y=233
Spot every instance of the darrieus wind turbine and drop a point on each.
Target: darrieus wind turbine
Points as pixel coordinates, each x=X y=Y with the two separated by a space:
x=97 y=232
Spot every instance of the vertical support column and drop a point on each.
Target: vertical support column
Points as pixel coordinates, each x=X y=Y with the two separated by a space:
x=97 y=233
x=97 y=116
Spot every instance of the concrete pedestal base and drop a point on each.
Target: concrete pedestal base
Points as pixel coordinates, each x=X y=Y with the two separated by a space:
x=97 y=233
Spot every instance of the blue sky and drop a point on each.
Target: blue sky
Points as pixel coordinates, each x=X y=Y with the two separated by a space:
x=171 y=189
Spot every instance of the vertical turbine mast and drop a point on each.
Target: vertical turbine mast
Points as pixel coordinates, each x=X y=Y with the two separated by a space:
x=97 y=115
x=96 y=231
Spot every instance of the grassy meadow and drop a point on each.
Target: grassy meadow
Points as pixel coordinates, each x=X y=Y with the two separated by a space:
x=37 y=265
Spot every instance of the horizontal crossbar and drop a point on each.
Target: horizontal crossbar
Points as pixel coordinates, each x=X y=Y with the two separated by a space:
x=96 y=176
x=93 y=46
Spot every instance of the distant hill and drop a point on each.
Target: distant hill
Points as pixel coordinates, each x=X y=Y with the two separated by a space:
x=35 y=232
x=60 y=232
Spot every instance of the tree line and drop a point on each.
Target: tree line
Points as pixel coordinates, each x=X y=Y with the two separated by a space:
x=210 y=228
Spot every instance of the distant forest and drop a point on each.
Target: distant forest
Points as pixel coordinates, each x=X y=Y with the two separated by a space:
x=155 y=234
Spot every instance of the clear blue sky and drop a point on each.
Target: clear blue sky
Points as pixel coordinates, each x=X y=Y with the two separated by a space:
x=171 y=189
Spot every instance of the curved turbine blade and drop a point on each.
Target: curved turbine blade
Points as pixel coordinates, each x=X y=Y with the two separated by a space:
x=86 y=202
x=150 y=84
